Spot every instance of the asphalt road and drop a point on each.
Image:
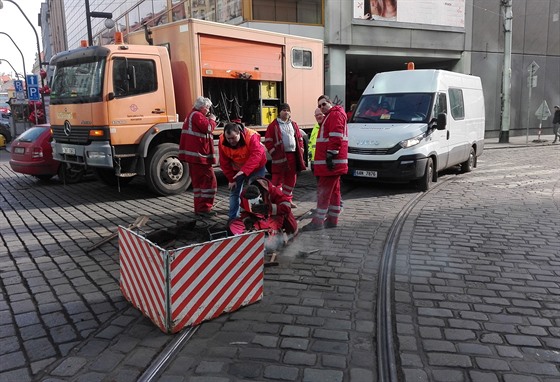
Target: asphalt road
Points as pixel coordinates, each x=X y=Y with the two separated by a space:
x=476 y=283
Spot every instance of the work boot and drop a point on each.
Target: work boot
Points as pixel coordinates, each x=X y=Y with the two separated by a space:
x=329 y=224
x=206 y=214
x=311 y=227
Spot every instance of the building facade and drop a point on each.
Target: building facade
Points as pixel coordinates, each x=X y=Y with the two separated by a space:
x=364 y=37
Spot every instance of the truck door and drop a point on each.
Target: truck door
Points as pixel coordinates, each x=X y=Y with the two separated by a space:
x=136 y=97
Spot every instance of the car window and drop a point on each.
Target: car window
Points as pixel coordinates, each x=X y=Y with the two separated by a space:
x=31 y=135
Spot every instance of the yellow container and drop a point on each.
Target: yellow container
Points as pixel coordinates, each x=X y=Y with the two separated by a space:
x=269 y=114
x=268 y=90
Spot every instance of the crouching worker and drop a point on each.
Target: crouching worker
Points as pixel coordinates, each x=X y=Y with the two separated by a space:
x=265 y=207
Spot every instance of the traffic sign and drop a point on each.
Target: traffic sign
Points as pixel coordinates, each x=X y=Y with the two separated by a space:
x=33 y=93
x=32 y=80
x=533 y=67
x=33 y=87
x=18 y=85
x=543 y=112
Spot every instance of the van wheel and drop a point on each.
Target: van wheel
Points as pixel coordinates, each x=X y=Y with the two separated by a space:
x=469 y=164
x=426 y=181
x=165 y=173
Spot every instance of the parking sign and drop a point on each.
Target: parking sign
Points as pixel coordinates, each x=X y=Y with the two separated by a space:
x=18 y=84
x=33 y=93
x=33 y=87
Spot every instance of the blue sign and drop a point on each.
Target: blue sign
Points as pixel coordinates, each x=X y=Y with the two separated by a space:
x=32 y=80
x=33 y=87
x=18 y=84
x=33 y=93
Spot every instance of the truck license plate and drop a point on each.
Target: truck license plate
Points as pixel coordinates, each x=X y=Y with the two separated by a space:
x=69 y=150
x=366 y=174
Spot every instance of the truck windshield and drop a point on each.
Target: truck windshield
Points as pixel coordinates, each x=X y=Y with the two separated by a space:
x=393 y=108
x=78 y=81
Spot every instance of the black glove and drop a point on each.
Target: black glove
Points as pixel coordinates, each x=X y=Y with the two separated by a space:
x=330 y=164
x=259 y=208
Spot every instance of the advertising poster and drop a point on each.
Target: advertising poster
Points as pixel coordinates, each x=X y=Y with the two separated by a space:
x=433 y=12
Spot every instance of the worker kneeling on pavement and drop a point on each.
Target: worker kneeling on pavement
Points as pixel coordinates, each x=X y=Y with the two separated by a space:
x=265 y=207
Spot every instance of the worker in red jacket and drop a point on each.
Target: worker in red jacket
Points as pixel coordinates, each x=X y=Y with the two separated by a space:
x=331 y=161
x=196 y=148
x=242 y=157
x=265 y=207
x=284 y=143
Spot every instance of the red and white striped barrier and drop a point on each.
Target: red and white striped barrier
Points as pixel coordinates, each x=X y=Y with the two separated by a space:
x=185 y=286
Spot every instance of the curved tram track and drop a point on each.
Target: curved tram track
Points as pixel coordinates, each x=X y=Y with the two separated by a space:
x=387 y=365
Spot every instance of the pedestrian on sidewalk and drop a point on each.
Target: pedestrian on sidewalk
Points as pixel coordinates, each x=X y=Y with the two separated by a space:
x=331 y=161
x=556 y=123
x=196 y=149
x=242 y=157
x=284 y=143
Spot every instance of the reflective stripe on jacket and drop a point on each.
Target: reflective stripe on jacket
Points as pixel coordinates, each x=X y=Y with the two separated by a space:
x=197 y=141
x=332 y=137
x=275 y=146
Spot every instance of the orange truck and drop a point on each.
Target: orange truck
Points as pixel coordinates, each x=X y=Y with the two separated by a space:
x=118 y=109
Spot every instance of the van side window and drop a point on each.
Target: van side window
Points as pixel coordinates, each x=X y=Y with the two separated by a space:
x=133 y=76
x=456 y=103
x=440 y=105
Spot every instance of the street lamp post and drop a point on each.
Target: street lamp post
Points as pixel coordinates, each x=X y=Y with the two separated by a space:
x=22 y=57
x=89 y=15
x=38 y=46
x=11 y=66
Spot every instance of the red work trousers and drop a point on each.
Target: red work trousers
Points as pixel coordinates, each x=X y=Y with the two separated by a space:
x=204 y=186
x=328 y=200
x=287 y=178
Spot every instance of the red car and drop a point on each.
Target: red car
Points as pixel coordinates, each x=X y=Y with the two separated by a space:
x=31 y=154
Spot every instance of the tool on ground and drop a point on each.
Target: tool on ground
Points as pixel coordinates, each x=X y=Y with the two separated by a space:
x=139 y=222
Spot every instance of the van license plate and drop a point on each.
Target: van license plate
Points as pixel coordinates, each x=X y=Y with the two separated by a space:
x=366 y=174
x=69 y=150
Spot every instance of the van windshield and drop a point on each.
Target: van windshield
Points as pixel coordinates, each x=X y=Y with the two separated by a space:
x=393 y=108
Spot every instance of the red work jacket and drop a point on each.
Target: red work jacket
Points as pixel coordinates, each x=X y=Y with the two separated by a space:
x=197 y=141
x=333 y=138
x=248 y=156
x=275 y=146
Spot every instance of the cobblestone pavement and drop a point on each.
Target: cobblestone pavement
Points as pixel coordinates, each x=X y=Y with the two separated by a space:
x=477 y=284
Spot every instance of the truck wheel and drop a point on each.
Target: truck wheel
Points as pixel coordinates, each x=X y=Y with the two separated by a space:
x=108 y=177
x=70 y=174
x=165 y=173
x=425 y=182
x=468 y=165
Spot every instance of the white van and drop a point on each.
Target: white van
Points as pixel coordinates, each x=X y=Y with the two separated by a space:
x=410 y=124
